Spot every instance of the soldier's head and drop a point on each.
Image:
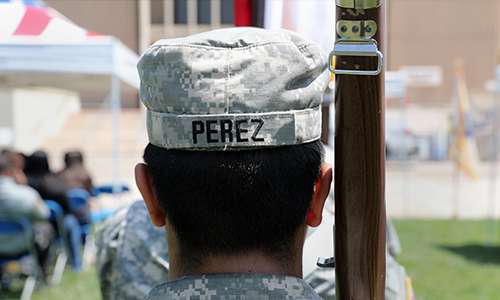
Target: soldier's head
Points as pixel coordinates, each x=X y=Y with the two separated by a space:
x=235 y=162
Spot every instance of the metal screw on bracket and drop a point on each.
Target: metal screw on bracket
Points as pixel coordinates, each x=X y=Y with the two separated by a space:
x=355 y=29
x=368 y=28
x=343 y=28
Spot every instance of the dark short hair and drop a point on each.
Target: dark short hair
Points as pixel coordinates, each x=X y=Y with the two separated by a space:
x=229 y=202
x=73 y=157
x=37 y=164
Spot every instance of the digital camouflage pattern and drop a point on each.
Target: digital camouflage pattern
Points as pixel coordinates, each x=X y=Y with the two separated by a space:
x=233 y=88
x=132 y=254
x=132 y=257
x=323 y=280
x=234 y=286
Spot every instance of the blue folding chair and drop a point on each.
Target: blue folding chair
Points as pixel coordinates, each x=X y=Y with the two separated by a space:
x=62 y=243
x=78 y=200
x=109 y=189
x=18 y=231
x=103 y=214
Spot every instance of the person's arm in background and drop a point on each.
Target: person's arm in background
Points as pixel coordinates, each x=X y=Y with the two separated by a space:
x=40 y=210
x=26 y=202
x=31 y=204
x=87 y=181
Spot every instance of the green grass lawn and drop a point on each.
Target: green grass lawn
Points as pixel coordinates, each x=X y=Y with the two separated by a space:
x=449 y=259
x=83 y=286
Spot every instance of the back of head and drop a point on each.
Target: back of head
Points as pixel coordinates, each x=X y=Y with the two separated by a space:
x=229 y=203
x=17 y=159
x=73 y=158
x=37 y=164
x=234 y=122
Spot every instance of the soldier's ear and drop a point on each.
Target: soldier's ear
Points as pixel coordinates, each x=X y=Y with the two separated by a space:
x=321 y=192
x=145 y=185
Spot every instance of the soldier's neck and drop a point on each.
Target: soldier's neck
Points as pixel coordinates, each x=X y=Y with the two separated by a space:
x=252 y=263
x=248 y=263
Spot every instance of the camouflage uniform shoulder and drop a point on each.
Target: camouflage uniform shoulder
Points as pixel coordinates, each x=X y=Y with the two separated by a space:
x=234 y=286
x=132 y=254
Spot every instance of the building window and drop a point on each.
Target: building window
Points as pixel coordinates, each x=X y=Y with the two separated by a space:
x=226 y=12
x=203 y=11
x=180 y=11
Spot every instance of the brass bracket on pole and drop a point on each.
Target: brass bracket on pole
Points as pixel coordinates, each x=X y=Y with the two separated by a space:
x=355 y=40
x=358 y=4
x=356 y=30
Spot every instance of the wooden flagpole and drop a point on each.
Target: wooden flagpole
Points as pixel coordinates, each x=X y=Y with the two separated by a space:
x=360 y=217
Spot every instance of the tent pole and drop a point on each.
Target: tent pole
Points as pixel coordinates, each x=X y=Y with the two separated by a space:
x=115 y=108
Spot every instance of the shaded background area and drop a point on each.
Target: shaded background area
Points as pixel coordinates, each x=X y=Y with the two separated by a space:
x=476 y=253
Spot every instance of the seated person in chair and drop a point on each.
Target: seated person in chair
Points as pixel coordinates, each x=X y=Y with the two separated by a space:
x=52 y=188
x=21 y=200
x=74 y=174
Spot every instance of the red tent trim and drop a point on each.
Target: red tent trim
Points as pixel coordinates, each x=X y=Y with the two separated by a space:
x=34 y=21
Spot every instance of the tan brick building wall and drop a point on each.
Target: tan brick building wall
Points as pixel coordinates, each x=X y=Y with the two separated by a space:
x=436 y=32
x=110 y=17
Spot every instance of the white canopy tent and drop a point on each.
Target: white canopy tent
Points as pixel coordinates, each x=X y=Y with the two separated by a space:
x=40 y=47
x=76 y=66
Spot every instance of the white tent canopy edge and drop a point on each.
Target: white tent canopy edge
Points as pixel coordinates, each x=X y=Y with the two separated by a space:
x=22 y=63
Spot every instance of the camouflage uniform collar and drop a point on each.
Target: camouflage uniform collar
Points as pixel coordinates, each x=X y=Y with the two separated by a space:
x=234 y=286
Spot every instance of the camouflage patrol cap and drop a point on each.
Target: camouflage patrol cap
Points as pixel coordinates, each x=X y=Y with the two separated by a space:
x=232 y=89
